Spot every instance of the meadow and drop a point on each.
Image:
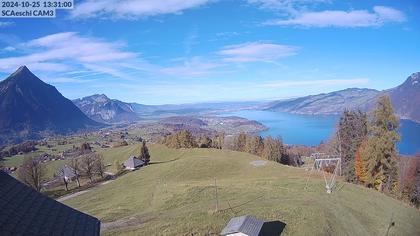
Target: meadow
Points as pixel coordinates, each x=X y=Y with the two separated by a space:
x=176 y=195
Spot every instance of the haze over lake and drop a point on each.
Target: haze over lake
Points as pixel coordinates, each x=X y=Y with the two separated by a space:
x=312 y=129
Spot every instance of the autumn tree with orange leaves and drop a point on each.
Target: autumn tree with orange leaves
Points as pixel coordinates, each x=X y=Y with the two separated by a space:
x=359 y=166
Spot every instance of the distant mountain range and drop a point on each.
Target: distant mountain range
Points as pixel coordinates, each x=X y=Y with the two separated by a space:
x=405 y=99
x=103 y=109
x=29 y=107
x=327 y=103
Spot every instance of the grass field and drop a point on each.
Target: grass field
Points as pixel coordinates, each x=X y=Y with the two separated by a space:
x=176 y=196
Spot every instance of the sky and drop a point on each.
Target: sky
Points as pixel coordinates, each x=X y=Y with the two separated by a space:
x=187 y=51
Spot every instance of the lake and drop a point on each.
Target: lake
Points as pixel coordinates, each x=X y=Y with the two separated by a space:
x=312 y=129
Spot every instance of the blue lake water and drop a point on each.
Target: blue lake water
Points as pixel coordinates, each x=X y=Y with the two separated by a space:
x=311 y=129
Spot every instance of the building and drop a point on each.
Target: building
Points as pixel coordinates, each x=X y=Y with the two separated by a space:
x=133 y=163
x=243 y=226
x=25 y=211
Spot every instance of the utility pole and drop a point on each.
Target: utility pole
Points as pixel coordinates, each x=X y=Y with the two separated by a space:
x=217 y=198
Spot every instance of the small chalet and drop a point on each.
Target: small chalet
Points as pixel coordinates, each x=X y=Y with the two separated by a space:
x=133 y=163
x=243 y=226
x=25 y=211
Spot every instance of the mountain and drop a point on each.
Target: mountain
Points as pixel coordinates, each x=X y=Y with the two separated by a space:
x=405 y=99
x=193 y=108
x=103 y=109
x=30 y=107
x=327 y=103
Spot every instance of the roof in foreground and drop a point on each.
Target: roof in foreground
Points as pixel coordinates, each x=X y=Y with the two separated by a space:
x=244 y=224
x=25 y=211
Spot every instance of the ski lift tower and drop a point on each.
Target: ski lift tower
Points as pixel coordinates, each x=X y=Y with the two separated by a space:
x=323 y=161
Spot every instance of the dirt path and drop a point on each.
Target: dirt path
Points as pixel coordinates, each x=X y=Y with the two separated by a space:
x=82 y=192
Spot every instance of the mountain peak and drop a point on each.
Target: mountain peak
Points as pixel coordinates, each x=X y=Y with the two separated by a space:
x=22 y=73
x=414 y=78
x=22 y=70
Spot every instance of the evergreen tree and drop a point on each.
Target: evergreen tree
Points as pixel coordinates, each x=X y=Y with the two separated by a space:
x=144 y=153
x=379 y=154
x=352 y=129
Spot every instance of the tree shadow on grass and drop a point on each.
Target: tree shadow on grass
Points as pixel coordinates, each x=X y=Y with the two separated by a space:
x=272 y=228
x=161 y=162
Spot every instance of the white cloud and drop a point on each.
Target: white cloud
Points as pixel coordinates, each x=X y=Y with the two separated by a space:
x=256 y=51
x=354 y=18
x=389 y=14
x=132 y=8
x=9 y=49
x=4 y=24
x=62 y=51
x=329 y=82
x=282 y=4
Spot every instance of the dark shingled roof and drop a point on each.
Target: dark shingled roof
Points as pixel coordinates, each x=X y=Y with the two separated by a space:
x=248 y=225
x=25 y=211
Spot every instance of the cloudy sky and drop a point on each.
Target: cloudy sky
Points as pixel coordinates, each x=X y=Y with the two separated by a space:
x=181 y=51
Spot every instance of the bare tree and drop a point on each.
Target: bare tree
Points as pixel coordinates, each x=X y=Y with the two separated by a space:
x=32 y=172
x=99 y=165
x=88 y=165
x=62 y=174
x=76 y=166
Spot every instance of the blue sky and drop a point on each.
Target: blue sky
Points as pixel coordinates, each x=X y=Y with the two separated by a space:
x=182 y=51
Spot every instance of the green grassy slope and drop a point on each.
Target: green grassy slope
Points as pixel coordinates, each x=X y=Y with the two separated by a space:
x=176 y=196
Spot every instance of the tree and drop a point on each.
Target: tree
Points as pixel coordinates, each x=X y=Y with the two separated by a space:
x=144 y=153
x=185 y=139
x=99 y=166
x=361 y=175
x=240 y=142
x=415 y=195
x=273 y=149
x=181 y=139
x=85 y=148
x=218 y=141
x=205 y=142
x=88 y=165
x=32 y=172
x=379 y=154
x=352 y=129
x=75 y=165
x=62 y=174
x=254 y=145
